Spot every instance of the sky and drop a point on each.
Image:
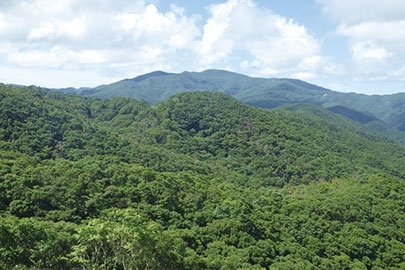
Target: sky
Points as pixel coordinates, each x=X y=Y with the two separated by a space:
x=344 y=45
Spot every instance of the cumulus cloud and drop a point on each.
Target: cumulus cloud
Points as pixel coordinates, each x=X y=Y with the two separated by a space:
x=390 y=32
x=114 y=41
x=370 y=59
x=375 y=31
x=268 y=43
x=119 y=40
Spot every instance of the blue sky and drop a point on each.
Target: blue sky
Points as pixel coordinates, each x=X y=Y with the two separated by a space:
x=345 y=45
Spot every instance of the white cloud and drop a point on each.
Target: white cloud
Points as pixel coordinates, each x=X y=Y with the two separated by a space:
x=366 y=52
x=358 y=11
x=53 y=30
x=216 y=44
x=132 y=37
x=375 y=32
x=56 y=57
x=152 y=27
x=113 y=39
x=262 y=43
x=369 y=60
x=117 y=40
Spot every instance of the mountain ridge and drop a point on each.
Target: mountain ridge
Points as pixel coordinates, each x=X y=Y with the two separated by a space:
x=269 y=93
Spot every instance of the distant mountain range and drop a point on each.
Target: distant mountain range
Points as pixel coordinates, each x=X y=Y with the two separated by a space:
x=384 y=114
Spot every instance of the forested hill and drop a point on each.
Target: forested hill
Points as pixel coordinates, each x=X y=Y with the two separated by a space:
x=198 y=181
x=266 y=93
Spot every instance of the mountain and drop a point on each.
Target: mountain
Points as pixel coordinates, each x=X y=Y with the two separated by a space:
x=158 y=86
x=198 y=181
x=357 y=116
x=266 y=93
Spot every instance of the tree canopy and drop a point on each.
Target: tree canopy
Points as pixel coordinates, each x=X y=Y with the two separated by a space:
x=199 y=181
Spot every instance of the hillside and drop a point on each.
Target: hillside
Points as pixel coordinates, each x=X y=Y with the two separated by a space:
x=198 y=181
x=266 y=93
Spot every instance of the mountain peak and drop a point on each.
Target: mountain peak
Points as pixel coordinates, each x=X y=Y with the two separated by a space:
x=267 y=93
x=149 y=75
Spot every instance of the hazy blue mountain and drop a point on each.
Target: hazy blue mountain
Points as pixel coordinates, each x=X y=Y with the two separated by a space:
x=357 y=116
x=260 y=92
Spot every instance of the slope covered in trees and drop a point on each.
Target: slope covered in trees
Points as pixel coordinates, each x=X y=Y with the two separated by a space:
x=260 y=92
x=199 y=181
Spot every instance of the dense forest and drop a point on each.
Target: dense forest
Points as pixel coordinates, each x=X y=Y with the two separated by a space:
x=384 y=114
x=198 y=181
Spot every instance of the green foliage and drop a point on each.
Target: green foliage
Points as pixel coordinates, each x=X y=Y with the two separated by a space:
x=122 y=239
x=200 y=181
x=387 y=111
x=35 y=244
